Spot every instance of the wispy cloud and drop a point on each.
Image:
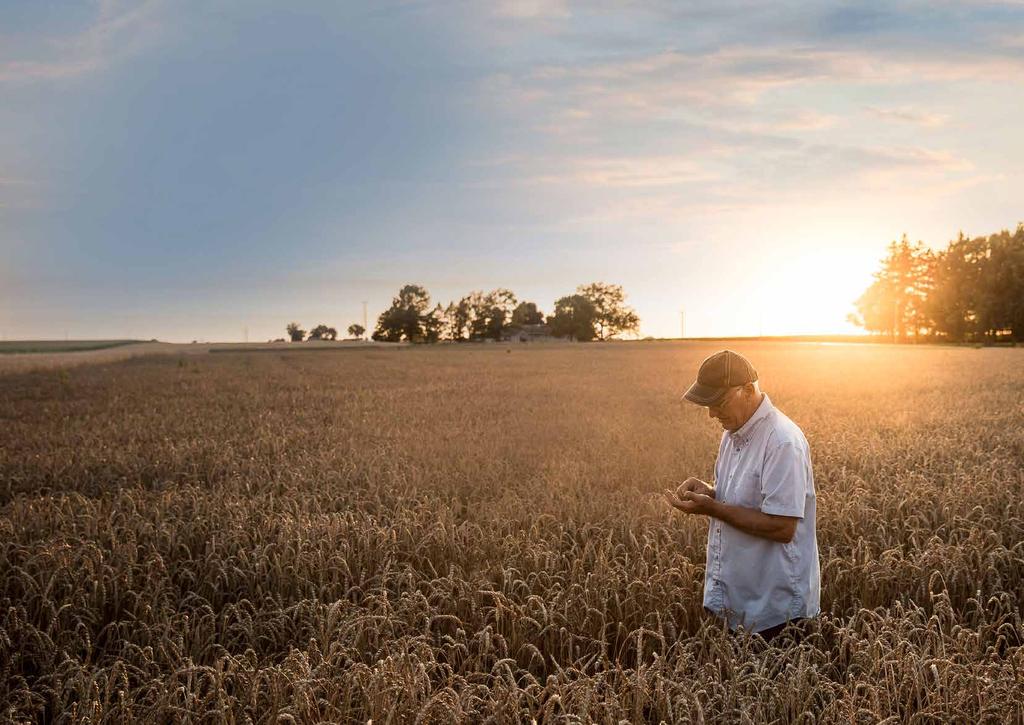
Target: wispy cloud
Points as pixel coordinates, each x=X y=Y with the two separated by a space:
x=666 y=82
x=658 y=190
x=908 y=114
x=754 y=121
x=118 y=30
x=907 y=157
x=532 y=9
x=634 y=172
x=768 y=122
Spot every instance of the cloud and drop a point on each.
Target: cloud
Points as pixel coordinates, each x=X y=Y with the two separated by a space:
x=908 y=114
x=532 y=9
x=669 y=190
x=667 y=81
x=118 y=30
x=616 y=172
x=754 y=124
x=914 y=157
x=806 y=120
x=769 y=122
x=850 y=175
x=914 y=171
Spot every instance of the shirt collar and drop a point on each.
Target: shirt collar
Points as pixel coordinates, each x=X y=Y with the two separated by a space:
x=742 y=435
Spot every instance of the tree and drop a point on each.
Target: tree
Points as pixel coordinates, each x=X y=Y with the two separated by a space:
x=874 y=309
x=973 y=289
x=404 y=320
x=954 y=302
x=497 y=313
x=295 y=333
x=433 y=324
x=486 y=315
x=526 y=313
x=475 y=304
x=574 y=317
x=611 y=315
x=895 y=303
x=456 y=320
x=356 y=330
x=323 y=332
x=1001 y=285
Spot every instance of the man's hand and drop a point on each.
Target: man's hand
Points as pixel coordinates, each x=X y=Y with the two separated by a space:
x=693 y=496
x=694 y=485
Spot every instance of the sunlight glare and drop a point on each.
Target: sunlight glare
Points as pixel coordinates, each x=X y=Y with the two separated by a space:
x=812 y=293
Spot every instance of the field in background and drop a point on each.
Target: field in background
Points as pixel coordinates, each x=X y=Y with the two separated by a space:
x=471 y=532
x=26 y=356
x=22 y=347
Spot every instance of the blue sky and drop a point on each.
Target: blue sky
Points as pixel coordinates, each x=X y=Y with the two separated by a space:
x=192 y=170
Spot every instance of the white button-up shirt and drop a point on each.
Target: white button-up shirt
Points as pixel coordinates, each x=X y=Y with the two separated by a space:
x=753 y=581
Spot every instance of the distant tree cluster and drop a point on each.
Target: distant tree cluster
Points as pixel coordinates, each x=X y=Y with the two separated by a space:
x=323 y=332
x=320 y=332
x=596 y=312
x=971 y=291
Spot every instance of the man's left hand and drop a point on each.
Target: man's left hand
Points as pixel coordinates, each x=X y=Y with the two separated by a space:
x=690 y=502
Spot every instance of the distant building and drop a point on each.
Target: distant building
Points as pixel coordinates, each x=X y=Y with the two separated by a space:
x=527 y=333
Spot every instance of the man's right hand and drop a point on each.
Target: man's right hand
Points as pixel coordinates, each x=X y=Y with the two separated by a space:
x=694 y=485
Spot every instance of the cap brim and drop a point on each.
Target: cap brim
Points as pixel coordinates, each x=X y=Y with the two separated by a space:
x=704 y=394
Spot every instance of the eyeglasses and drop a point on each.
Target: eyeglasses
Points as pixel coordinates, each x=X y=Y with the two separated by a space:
x=725 y=398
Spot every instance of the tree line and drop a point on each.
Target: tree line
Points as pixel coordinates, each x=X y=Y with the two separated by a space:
x=596 y=311
x=320 y=332
x=973 y=290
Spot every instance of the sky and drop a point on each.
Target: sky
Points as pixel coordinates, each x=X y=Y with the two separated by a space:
x=214 y=170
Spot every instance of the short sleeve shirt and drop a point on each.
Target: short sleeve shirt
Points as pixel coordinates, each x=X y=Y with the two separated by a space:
x=750 y=580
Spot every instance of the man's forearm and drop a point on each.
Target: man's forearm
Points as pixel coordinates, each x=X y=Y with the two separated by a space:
x=755 y=522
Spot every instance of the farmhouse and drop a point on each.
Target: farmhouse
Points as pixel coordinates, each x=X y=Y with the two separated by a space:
x=527 y=333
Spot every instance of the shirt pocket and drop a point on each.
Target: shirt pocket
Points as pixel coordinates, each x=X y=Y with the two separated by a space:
x=747 y=492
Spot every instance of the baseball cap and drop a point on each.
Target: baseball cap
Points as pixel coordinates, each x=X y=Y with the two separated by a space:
x=719 y=372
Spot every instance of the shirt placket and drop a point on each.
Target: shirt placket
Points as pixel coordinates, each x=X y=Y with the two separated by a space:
x=716 y=533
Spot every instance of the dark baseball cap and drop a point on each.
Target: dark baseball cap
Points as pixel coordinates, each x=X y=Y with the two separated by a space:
x=723 y=370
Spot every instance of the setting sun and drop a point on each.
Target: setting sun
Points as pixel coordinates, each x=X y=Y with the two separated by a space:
x=812 y=293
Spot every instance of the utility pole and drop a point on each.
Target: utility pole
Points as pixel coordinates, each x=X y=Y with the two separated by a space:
x=364 y=319
x=682 y=324
x=245 y=333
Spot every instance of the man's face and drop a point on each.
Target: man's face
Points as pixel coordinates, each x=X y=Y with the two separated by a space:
x=729 y=411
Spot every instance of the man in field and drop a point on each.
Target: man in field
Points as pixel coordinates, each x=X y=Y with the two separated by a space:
x=762 y=561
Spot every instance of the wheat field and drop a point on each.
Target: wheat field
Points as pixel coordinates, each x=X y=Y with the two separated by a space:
x=474 y=534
